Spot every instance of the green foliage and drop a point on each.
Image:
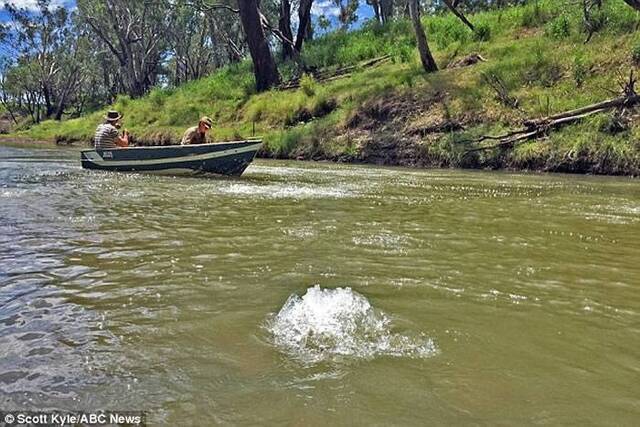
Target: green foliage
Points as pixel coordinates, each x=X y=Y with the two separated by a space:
x=404 y=53
x=619 y=17
x=482 y=33
x=447 y=29
x=308 y=85
x=559 y=28
x=122 y=102
x=534 y=15
x=159 y=96
x=580 y=70
x=346 y=48
x=543 y=70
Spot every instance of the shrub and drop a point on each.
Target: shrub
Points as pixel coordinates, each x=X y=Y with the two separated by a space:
x=308 y=84
x=444 y=30
x=122 y=102
x=533 y=16
x=182 y=115
x=158 y=97
x=544 y=71
x=559 y=28
x=482 y=33
x=404 y=53
x=619 y=17
x=580 y=70
x=348 y=48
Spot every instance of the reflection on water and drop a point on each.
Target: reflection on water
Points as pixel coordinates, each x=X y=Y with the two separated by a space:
x=457 y=297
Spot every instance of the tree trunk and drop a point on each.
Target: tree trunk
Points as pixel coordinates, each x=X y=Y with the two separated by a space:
x=304 y=22
x=386 y=10
x=428 y=63
x=633 y=3
x=264 y=67
x=308 y=36
x=375 y=5
x=284 y=24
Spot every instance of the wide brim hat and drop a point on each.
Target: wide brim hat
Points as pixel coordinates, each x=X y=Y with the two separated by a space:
x=207 y=121
x=112 y=116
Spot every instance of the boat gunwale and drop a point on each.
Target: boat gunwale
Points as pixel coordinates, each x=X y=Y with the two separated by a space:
x=256 y=141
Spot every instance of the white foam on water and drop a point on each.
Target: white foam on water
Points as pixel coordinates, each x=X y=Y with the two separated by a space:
x=325 y=324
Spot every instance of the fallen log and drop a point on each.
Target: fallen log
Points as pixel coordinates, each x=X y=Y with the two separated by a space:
x=324 y=76
x=536 y=128
x=623 y=101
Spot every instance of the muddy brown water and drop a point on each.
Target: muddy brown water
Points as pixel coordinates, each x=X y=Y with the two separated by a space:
x=307 y=294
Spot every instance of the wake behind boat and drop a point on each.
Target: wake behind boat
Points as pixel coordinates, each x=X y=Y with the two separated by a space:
x=224 y=158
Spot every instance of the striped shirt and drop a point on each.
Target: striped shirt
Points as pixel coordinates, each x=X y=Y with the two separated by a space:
x=105 y=137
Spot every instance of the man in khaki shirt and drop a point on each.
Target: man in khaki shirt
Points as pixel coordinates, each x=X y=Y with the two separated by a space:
x=198 y=134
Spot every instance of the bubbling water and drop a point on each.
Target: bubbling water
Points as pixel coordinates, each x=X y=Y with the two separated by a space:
x=326 y=324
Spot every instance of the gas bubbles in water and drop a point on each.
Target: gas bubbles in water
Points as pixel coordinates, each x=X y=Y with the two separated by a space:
x=327 y=324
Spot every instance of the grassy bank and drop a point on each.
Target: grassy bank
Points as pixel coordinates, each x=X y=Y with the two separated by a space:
x=395 y=114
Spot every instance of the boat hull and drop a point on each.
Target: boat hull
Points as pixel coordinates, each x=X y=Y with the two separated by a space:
x=227 y=158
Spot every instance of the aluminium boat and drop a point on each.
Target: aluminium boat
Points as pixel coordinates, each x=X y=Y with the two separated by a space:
x=222 y=158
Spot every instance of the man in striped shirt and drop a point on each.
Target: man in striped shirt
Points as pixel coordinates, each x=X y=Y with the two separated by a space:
x=107 y=136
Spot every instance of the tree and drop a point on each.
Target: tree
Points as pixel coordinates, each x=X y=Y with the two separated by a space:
x=386 y=10
x=304 y=23
x=453 y=6
x=134 y=32
x=52 y=60
x=428 y=63
x=348 y=12
x=382 y=9
x=284 y=25
x=324 y=23
x=191 y=44
x=226 y=33
x=264 y=67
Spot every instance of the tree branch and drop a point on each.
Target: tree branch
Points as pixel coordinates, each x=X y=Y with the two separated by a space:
x=460 y=15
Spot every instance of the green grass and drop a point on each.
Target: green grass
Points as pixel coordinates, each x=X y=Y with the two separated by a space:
x=537 y=51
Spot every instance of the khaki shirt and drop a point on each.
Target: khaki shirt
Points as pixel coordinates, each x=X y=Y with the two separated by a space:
x=192 y=136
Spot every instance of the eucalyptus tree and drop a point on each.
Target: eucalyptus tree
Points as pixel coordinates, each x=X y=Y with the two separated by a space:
x=284 y=25
x=135 y=34
x=50 y=60
x=348 y=12
x=428 y=63
x=292 y=47
x=305 y=29
x=264 y=66
x=191 y=43
x=382 y=9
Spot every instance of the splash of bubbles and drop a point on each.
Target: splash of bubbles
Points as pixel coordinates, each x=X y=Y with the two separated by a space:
x=325 y=324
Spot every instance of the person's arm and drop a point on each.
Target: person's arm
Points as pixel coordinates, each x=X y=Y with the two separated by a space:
x=123 y=141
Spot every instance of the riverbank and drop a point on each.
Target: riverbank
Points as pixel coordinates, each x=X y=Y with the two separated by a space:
x=530 y=62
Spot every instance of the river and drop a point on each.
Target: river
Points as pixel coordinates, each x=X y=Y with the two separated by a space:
x=316 y=294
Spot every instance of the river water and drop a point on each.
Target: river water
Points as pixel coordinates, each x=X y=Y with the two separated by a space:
x=314 y=294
